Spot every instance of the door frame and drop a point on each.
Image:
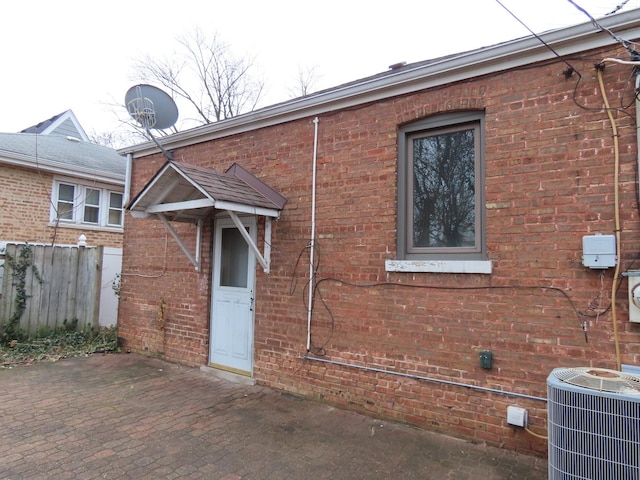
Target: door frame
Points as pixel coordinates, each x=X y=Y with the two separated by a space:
x=224 y=221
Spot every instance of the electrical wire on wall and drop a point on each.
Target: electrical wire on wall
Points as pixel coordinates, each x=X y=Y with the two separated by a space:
x=579 y=315
x=616 y=181
x=312 y=293
x=152 y=275
x=616 y=206
x=319 y=352
x=570 y=70
x=319 y=348
x=635 y=62
x=309 y=300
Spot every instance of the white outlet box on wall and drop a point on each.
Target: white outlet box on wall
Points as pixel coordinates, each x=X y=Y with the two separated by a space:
x=516 y=416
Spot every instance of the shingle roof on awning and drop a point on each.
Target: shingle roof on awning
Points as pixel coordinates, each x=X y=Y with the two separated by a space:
x=186 y=193
x=183 y=192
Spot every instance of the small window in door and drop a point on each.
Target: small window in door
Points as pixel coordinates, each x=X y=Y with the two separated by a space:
x=234 y=259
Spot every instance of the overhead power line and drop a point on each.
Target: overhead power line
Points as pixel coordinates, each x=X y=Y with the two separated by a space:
x=570 y=69
x=617 y=9
x=625 y=43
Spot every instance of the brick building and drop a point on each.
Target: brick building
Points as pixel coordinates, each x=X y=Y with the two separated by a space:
x=420 y=264
x=57 y=187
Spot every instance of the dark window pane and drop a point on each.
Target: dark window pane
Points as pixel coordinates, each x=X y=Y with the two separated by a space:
x=115 y=217
x=64 y=206
x=66 y=193
x=115 y=208
x=91 y=214
x=93 y=197
x=235 y=259
x=65 y=211
x=444 y=190
x=115 y=200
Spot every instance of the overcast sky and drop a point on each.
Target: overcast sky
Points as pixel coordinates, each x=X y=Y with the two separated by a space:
x=72 y=54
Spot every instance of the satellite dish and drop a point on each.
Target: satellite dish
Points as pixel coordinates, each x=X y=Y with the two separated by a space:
x=151 y=107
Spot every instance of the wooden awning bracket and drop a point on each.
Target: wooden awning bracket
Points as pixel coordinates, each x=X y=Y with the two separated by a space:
x=194 y=258
x=264 y=260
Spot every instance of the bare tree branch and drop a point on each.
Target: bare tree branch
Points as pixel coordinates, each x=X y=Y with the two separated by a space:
x=205 y=79
x=305 y=83
x=205 y=76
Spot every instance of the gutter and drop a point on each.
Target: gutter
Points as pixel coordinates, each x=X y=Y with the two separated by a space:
x=412 y=78
x=127 y=180
x=26 y=161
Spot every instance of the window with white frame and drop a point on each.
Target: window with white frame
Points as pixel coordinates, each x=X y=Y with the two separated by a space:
x=96 y=205
x=115 y=209
x=65 y=201
x=441 y=188
x=91 y=206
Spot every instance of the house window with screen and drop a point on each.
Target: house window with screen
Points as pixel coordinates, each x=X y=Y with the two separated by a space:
x=86 y=205
x=91 y=206
x=65 y=201
x=115 y=209
x=441 y=188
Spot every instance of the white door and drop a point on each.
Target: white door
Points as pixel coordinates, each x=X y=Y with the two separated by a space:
x=232 y=303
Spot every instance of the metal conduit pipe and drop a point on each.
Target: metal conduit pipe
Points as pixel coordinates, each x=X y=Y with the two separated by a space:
x=427 y=379
x=313 y=231
x=127 y=180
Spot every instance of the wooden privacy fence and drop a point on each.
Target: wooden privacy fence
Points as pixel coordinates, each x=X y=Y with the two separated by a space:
x=61 y=284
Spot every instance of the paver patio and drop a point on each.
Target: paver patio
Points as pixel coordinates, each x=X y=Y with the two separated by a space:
x=125 y=416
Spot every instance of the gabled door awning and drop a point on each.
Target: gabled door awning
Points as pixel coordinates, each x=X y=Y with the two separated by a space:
x=180 y=192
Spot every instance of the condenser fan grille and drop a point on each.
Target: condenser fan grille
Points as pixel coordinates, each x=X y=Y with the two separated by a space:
x=594 y=433
x=600 y=379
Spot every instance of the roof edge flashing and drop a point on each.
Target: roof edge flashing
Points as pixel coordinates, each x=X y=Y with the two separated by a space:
x=258 y=185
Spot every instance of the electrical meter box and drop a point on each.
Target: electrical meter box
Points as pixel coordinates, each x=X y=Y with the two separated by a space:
x=599 y=251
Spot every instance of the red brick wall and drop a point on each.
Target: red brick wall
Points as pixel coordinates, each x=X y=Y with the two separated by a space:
x=25 y=199
x=549 y=181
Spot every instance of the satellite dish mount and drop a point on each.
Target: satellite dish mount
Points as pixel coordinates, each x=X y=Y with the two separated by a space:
x=152 y=108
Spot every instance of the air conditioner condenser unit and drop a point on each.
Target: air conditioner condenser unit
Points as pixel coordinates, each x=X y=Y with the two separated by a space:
x=593 y=424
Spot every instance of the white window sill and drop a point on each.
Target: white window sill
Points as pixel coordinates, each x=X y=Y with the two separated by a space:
x=439 y=266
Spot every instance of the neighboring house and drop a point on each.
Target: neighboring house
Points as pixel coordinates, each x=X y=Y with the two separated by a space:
x=440 y=208
x=65 y=124
x=56 y=186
